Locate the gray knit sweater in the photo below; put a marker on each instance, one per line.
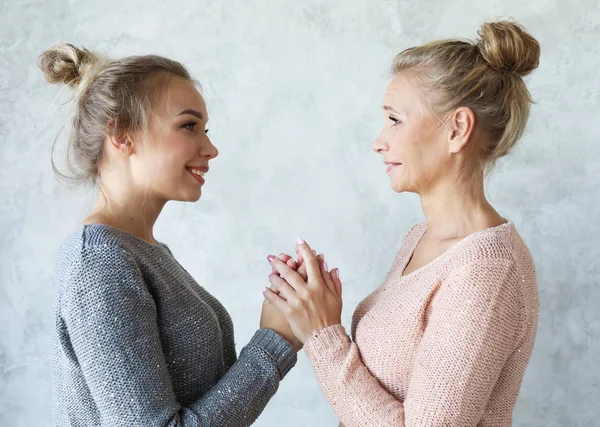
(137, 342)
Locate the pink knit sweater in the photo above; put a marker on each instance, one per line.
(445, 345)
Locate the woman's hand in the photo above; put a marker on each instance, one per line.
(308, 304)
(271, 318)
(299, 265)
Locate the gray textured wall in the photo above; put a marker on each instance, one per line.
(293, 89)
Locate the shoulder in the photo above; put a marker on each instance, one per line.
(88, 239)
(95, 252)
(495, 261)
(100, 274)
(496, 245)
(90, 236)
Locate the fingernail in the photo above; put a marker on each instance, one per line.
(270, 258)
(337, 273)
(325, 266)
(299, 241)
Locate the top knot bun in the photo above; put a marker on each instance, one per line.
(68, 64)
(506, 46)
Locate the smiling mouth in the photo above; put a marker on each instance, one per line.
(197, 174)
(391, 166)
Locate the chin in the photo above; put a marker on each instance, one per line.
(399, 187)
(195, 197)
(401, 183)
(190, 196)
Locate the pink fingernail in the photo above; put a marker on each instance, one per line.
(270, 258)
(325, 266)
(300, 241)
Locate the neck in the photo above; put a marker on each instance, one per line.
(130, 211)
(454, 211)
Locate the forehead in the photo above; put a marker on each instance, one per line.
(398, 90)
(181, 94)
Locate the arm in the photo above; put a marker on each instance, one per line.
(473, 328)
(111, 320)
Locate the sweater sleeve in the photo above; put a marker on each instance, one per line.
(111, 320)
(473, 327)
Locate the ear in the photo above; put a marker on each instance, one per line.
(462, 124)
(119, 140)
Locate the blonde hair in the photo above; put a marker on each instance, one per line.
(485, 75)
(118, 92)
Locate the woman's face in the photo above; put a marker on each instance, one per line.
(173, 157)
(413, 141)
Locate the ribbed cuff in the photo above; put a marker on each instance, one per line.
(277, 347)
(326, 341)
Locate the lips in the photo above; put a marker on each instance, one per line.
(390, 166)
(198, 172)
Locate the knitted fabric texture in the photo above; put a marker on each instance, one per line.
(446, 345)
(137, 342)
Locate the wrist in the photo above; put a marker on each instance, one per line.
(277, 347)
(320, 327)
(327, 341)
(326, 323)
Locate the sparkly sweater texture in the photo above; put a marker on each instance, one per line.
(445, 345)
(137, 342)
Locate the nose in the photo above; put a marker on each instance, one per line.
(380, 144)
(208, 150)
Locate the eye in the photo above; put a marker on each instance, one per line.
(206, 131)
(189, 126)
(395, 120)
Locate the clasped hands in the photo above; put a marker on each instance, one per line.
(304, 292)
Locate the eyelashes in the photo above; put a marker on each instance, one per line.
(191, 126)
(395, 120)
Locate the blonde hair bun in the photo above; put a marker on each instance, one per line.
(507, 46)
(69, 65)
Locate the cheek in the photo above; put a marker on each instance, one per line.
(404, 144)
(174, 153)
(417, 151)
(431, 161)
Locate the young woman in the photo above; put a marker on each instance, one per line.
(445, 340)
(137, 342)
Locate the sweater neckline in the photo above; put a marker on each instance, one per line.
(124, 234)
(421, 232)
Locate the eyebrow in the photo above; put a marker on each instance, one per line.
(392, 109)
(192, 112)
